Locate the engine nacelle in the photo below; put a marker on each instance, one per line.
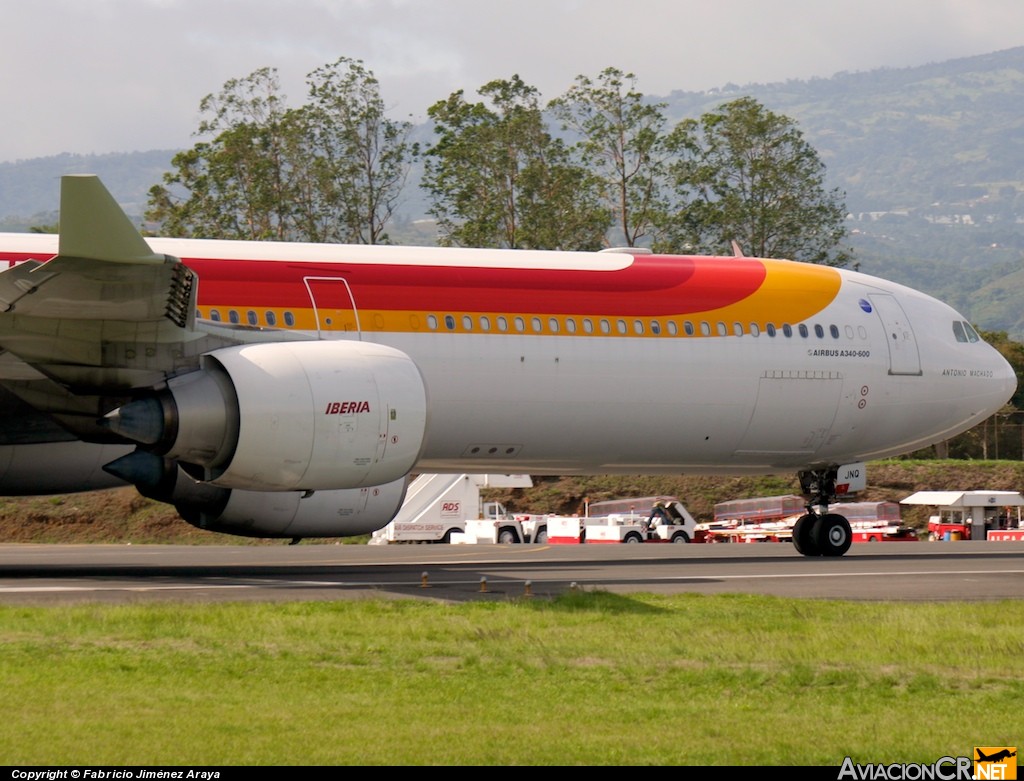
(57, 468)
(289, 416)
(346, 512)
(341, 513)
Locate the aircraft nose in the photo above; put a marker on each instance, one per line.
(1004, 382)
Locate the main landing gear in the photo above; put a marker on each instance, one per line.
(821, 533)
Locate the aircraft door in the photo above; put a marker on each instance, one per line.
(793, 415)
(903, 355)
(334, 308)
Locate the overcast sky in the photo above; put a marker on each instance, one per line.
(98, 76)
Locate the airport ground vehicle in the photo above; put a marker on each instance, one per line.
(884, 533)
(756, 520)
(667, 520)
(876, 522)
(507, 530)
(437, 506)
(972, 515)
(759, 509)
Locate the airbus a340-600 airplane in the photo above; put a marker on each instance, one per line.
(288, 390)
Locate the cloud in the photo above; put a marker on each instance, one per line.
(127, 75)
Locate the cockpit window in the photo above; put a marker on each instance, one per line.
(964, 332)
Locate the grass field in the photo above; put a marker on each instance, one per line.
(589, 678)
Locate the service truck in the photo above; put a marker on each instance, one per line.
(508, 530)
(667, 520)
(437, 506)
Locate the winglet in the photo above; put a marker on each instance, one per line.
(93, 226)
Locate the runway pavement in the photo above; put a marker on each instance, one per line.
(62, 574)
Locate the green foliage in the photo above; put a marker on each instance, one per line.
(331, 170)
(497, 178)
(622, 141)
(755, 180)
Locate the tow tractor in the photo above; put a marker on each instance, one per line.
(668, 521)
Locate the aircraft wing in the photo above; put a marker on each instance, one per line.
(105, 316)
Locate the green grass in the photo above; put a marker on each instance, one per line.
(587, 679)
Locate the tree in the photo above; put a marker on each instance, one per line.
(622, 141)
(331, 170)
(497, 178)
(362, 157)
(236, 184)
(749, 176)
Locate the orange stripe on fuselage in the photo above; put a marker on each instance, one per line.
(727, 289)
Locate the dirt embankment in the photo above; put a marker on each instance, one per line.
(122, 516)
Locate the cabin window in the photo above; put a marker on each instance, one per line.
(803, 330)
(638, 327)
(606, 327)
(233, 316)
(449, 322)
(655, 327)
(251, 318)
(588, 326)
(570, 325)
(688, 328)
(755, 329)
(737, 329)
(621, 324)
(722, 330)
(215, 315)
(467, 323)
(819, 331)
(834, 330)
(520, 324)
(535, 322)
(485, 323)
(553, 325)
(502, 323)
(673, 329)
(270, 317)
(770, 329)
(705, 328)
(787, 330)
(289, 320)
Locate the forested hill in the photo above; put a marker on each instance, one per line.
(930, 158)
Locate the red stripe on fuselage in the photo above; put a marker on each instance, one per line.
(660, 286)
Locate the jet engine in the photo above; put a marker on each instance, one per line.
(344, 512)
(287, 416)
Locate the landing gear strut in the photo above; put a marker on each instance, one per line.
(821, 533)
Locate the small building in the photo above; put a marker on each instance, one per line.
(979, 513)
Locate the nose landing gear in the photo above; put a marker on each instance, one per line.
(821, 533)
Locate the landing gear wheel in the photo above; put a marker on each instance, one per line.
(804, 539)
(832, 535)
(542, 537)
